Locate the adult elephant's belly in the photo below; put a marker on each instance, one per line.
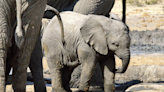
(100, 7)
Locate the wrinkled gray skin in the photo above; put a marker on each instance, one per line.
(35, 66)
(90, 39)
(20, 42)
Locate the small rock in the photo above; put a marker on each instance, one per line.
(144, 25)
(143, 20)
(145, 14)
(158, 25)
(153, 17)
(149, 21)
(161, 20)
(155, 87)
(146, 9)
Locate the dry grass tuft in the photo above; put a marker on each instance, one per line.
(146, 14)
(144, 25)
(163, 8)
(135, 2)
(143, 2)
(150, 2)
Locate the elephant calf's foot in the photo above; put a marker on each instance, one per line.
(59, 90)
(83, 89)
(109, 88)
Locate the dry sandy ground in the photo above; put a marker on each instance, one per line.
(30, 88)
(149, 59)
(147, 17)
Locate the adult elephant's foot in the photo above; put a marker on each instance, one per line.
(2, 89)
(2, 81)
(19, 77)
(10, 90)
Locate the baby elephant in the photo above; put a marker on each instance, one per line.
(89, 39)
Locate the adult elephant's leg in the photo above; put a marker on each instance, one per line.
(31, 23)
(56, 73)
(37, 68)
(108, 70)
(3, 50)
(8, 67)
(19, 75)
(5, 37)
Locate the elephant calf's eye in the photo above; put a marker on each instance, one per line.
(116, 44)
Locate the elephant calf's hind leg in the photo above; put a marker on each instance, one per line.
(55, 69)
(66, 76)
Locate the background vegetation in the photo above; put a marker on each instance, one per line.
(143, 2)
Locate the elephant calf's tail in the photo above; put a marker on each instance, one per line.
(59, 18)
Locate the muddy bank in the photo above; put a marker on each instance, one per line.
(146, 42)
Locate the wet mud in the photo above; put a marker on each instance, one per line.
(147, 42)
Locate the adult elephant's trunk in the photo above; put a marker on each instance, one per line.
(59, 19)
(19, 33)
(125, 57)
(124, 11)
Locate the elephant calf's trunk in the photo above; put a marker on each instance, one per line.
(125, 63)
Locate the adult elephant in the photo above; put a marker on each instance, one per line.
(18, 49)
(29, 15)
(100, 7)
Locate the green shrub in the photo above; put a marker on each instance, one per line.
(143, 2)
(135, 2)
(163, 8)
(150, 2)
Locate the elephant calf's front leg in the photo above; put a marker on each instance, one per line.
(108, 70)
(89, 62)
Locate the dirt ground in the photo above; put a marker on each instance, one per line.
(147, 17)
(148, 59)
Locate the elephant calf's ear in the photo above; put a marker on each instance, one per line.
(92, 33)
